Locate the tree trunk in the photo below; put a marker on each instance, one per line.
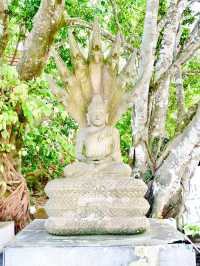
(140, 114)
(187, 175)
(171, 172)
(160, 107)
(4, 21)
(46, 23)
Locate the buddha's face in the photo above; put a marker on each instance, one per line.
(97, 117)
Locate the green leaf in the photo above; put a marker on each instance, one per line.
(5, 134)
(27, 113)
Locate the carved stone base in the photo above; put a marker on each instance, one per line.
(90, 226)
(96, 205)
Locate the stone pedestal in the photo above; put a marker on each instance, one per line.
(191, 213)
(96, 205)
(6, 234)
(35, 247)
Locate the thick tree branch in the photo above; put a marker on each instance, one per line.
(46, 24)
(145, 67)
(4, 18)
(191, 46)
(161, 25)
(186, 118)
(3, 7)
(179, 95)
(168, 176)
(160, 107)
(183, 124)
(169, 37)
(165, 20)
(141, 92)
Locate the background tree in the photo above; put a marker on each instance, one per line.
(163, 77)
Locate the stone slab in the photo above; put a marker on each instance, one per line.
(161, 232)
(191, 214)
(99, 256)
(35, 247)
(6, 233)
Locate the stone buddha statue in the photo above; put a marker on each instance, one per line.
(97, 194)
(98, 146)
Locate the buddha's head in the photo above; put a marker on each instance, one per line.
(97, 114)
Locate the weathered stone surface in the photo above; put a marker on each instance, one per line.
(96, 205)
(35, 247)
(6, 233)
(90, 225)
(191, 213)
(160, 233)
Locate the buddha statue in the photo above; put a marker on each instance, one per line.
(97, 195)
(97, 146)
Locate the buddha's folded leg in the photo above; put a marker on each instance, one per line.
(114, 168)
(78, 169)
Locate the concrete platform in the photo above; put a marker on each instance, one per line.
(6, 235)
(35, 247)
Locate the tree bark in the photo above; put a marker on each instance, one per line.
(169, 38)
(190, 47)
(46, 23)
(169, 175)
(179, 97)
(188, 173)
(140, 116)
(160, 107)
(4, 21)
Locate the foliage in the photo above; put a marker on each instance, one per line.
(49, 142)
(191, 84)
(23, 11)
(192, 81)
(37, 119)
(188, 19)
(13, 108)
(47, 149)
(30, 117)
(193, 230)
(124, 126)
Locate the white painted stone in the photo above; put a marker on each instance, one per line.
(192, 204)
(177, 255)
(72, 256)
(6, 233)
(35, 247)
